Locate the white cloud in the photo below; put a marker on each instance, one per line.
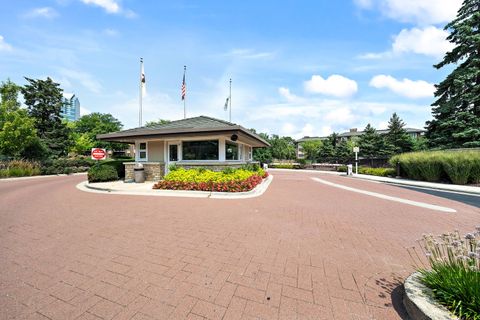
(85, 79)
(111, 6)
(429, 41)
(44, 12)
(339, 116)
(285, 92)
(335, 85)
(405, 87)
(422, 12)
(4, 46)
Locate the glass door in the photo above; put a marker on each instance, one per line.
(173, 154)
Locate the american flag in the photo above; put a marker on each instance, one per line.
(184, 87)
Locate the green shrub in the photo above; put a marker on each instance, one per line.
(228, 170)
(342, 168)
(381, 172)
(459, 167)
(251, 167)
(102, 174)
(117, 165)
(454, 276)
(285, 166)
(172, 167)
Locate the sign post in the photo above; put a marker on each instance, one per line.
(356, 150)
(98, 154)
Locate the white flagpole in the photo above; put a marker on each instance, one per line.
(230, 117)
(185, 96)
(141, 95)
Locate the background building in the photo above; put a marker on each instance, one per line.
(70, 107)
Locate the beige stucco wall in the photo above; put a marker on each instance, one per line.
(155, 151)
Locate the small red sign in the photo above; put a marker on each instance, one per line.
(99, 154)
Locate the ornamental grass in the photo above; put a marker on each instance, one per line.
(454, 273)
(458, 167)
(19, 168)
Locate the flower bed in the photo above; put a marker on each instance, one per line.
(229, 180)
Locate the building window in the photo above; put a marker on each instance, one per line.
(200, 150)
(231, 151)
(249, 150)
(240, 151)
(142, 151)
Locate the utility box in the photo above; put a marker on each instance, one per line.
(139, 173)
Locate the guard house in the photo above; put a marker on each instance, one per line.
(190, 143)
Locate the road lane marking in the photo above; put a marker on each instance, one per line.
(385, 197)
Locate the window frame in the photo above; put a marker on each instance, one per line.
(202, 140)
(238, 150)
(138, 151)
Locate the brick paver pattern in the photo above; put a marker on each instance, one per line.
(303, 250)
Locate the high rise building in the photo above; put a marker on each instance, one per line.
(70, 107)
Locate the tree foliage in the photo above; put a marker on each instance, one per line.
(155, 123)
(311, 149)
(44, 101)
(86, 128)
(17, 129)
(456, 112)
(397, 139)
(371, 143)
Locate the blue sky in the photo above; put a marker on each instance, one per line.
(298, 67)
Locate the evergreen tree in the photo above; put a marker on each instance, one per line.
(327, 149)
(371, 143)
(44, 101)
(343, 151)
(397, 139)
(456, 112)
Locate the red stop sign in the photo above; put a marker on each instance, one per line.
(98, 154)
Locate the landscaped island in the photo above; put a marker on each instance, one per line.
(242, 179)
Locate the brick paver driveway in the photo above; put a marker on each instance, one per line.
(303, 250)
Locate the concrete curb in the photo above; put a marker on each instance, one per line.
(40, 176)
(421, 184)
(256, 192)
(419, 303)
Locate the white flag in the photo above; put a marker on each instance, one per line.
(142, 82)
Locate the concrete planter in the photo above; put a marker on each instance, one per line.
(419, 303)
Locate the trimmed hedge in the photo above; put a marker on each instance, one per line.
(102, 174)
(458, 167)
(117, 165)
(381, 172)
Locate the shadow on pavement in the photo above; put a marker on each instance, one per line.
(395, 290)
